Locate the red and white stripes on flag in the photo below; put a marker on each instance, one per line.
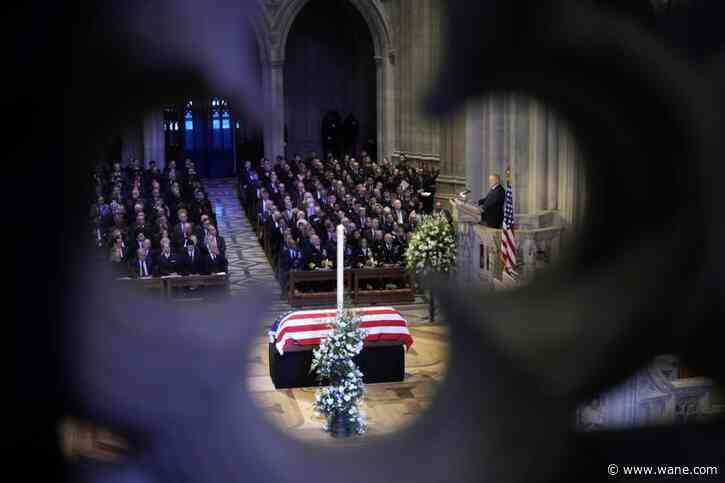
(310, 327)
(508, 239)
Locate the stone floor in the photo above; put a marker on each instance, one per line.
(389, 406)
(248, 265)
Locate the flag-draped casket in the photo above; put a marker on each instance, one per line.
(294, 335)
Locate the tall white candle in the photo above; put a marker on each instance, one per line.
(340, 265)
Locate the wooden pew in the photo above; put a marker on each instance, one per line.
(405, 291)
(174, 284)
(297, 278)
(153, 284)
(354, 285)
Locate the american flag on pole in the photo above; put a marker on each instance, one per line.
(508, 239)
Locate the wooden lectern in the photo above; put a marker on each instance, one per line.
(465, 212)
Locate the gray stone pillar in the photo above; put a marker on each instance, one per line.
(566, 179)
(273, 85)
(538, 186)
(495, 138)
(552, 145)
(154, 140)
(475, 156)
(380, 92)
(519, 157)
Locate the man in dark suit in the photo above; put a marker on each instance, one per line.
(213, 261)
(191, 259)
(492, 204)
(143, 266)
(364, 256)
(399, 214)
(389, 253)
(181, 228)
(290, 259)
(167, 262)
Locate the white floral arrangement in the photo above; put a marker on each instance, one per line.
(432, 248)
(333, 362)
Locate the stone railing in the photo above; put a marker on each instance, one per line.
(655, 396)
(538, 240)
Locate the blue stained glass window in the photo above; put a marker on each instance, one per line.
(188, 121)
(225, 120)
(215, 122)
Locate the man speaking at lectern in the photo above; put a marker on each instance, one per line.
(492, 204)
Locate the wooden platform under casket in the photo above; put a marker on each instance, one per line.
(382, 361)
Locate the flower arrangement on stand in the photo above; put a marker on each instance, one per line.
(332, 360)
(432, 249)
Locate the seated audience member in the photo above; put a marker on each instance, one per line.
(181, 228)
(349, 255)
(143, 266)
(201, 206)
(290, 260)
(148, 250)
(101, 210)
(377, 244)
(315, 256)
(364, 256)
(202, 228)
(389, 253)
(139, 223)
(166, 262)
(399, 215)
(140, 239)
(214, 256)
(191, 261)
(184, 242)
(117, 256)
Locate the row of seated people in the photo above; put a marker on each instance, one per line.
(140, 234)
(377, 203)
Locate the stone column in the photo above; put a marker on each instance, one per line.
(419, 46)
(566, 179)
(552, 155)
(389, 139)
(273, 85)
(154, 140)
(380, 91)
(495, 138)
(538, 186)
(475, 156)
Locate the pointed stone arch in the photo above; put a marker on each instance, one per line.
(277, 22)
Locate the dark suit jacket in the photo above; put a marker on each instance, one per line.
(313, 255)
(290, 261)
(219, 264)
(361, 257)
(167, 266)
(389, 256)
(189, 266)
(136, 268)
(492, 207)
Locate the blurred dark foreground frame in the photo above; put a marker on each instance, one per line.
(649, 124)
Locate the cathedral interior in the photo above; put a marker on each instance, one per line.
(603, 119)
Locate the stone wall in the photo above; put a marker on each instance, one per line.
(518, 133)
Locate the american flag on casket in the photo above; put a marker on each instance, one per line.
(310, 327)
